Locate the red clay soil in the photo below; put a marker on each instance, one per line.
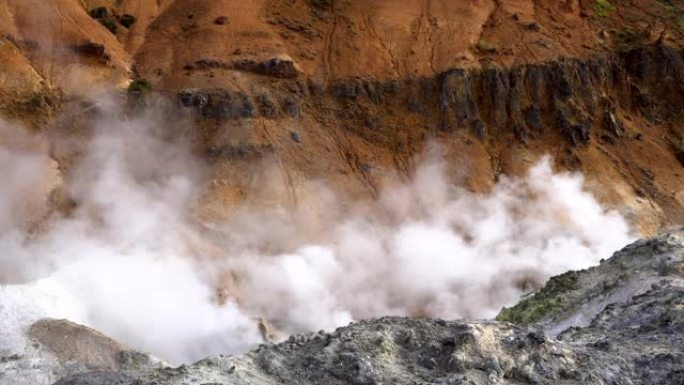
(53, 52)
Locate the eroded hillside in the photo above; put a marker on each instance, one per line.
(352, 91)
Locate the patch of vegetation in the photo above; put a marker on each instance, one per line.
(127, 20)
(321, 4)
(680, 23)
(485, 47)
(627, 32)
(99, 12)
(109, 22)
(548, 301)
(139, 86)
(668, 4)
(603, 8)
(628, 37)
(678, 146)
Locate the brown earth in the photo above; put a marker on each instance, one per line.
(351, 91)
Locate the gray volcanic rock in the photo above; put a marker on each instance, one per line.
(631, 306)
(397, 351)
(579, 298)
(618, 323)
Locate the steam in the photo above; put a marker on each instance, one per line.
(132, 262)
(445, 253)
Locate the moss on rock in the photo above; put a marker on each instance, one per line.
(547, 301)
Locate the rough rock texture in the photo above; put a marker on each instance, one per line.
(87, 347)
(618, 323)
(350, 92)
(400, 351)
(59, 348)
(631, 307)
(594, 114)
(367, 85)
(578, 98)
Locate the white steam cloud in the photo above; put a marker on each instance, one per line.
(130, 260)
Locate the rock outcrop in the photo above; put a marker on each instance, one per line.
(55, 349)
(621, 322)
(367, 85)
(580, 99)
(614, 116)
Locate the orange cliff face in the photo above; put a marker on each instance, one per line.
(332, 40)
(283, 93)
(328, 39)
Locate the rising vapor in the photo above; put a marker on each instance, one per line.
(132, 261)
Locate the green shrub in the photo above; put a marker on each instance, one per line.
(549, 301)
(484, 47)
(110, 23)
(321, 4)
(127, 20)
(678, 145)
(628, 35)
(99, 13)
(603, 8)
(139, 86)
(668, 5)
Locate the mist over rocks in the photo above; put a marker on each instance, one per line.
(629, 329)
(187, 179)
(425, 247)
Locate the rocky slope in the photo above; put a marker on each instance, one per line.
(351, 92)
(275, 96)
(621, 322)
